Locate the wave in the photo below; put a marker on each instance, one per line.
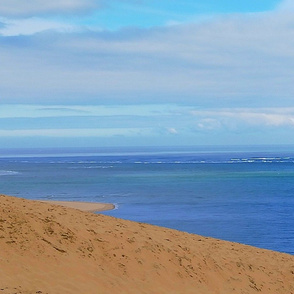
(111, 161)
(263, 160)
(91, 167)
(8, 173)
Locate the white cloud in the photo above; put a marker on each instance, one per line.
(208, 124)
(267, 119)
(232, 118)
(286, 5)
(33, 25)
(238, 61)
(172, 131)
(20, 8)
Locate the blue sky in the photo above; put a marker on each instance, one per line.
(136, 73)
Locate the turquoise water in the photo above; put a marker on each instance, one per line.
(241, 196)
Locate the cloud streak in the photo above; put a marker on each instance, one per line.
(155, 124)
(30, 26)
(19, 8)
(72, 133)
(55, 111)
(244, 118)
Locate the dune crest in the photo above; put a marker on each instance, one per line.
(52, 249)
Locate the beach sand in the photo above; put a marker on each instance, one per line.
(84, 206)
(46, 248)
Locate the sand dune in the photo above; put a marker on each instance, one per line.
(46, 248)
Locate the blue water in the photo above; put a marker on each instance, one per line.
(236, 195)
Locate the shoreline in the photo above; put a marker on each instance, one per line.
(84, 206)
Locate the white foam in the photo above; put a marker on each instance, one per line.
(8, 173)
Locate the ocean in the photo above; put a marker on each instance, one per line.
(240, 194)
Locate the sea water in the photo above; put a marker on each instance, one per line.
(241, 195)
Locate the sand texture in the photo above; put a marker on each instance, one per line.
(46, 248)
(85, 206)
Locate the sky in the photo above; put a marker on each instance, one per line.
(96, 73)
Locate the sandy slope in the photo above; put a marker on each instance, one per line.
(85, 206)
(51, 249)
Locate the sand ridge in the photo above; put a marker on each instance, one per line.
(53, 249)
